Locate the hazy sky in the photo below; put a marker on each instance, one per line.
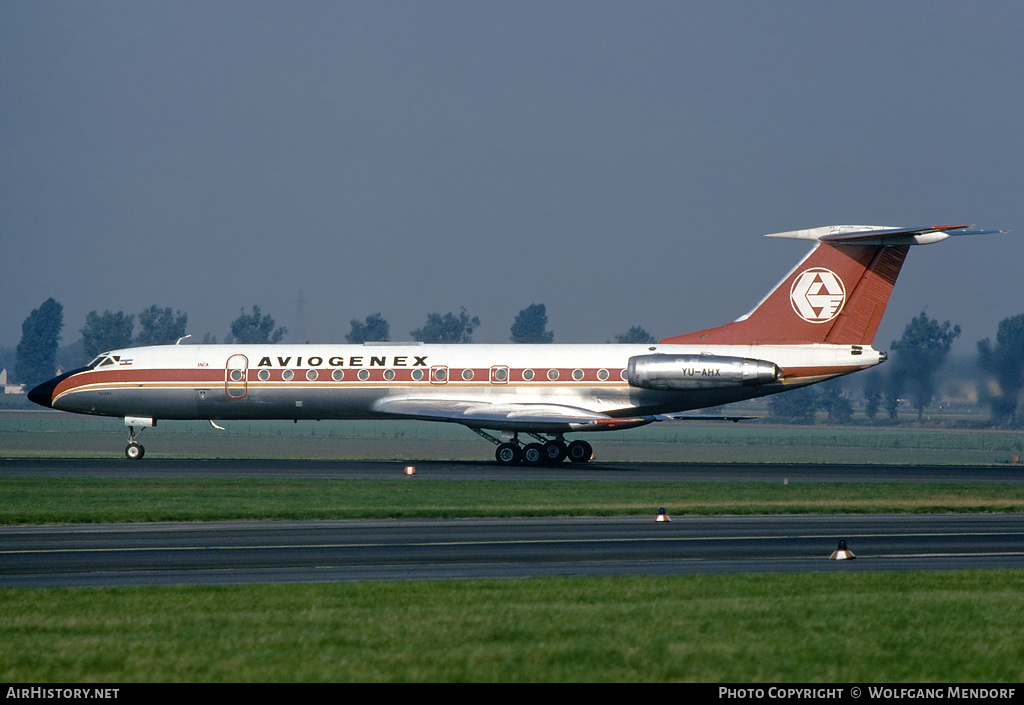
(617, 161)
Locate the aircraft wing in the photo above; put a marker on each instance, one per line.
(537, 417)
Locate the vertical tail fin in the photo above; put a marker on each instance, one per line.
(837, 294)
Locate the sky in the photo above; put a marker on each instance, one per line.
(618, 162)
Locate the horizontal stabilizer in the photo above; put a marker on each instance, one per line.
(880, 234)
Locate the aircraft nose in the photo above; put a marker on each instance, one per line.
(43, 394)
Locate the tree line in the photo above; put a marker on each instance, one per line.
(912, 377)
(36, 354)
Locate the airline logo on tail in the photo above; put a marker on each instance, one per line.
(817, 295)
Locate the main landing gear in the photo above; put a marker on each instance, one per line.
(545, 452)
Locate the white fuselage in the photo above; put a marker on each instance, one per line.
(325, 381)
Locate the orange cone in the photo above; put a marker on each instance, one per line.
(662, 516)
(410, 470)
(842, 553)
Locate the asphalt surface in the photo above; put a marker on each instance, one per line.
(597, 471)
(317, 551)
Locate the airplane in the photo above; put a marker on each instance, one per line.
(816, 324)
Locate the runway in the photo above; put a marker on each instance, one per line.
(317, 551)
(455, 470)
(321, 551)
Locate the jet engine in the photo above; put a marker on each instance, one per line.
(680, 372)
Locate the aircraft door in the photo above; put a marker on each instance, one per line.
(235, 373)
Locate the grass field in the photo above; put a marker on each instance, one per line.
(92, 500)
(959, 626)
(857, 627)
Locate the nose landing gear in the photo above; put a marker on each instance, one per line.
(134, 449)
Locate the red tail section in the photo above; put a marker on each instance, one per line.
(836, 295)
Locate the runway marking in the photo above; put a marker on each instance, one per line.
(503, 542)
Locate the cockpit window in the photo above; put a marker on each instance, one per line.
(103, 360)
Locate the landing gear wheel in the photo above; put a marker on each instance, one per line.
(580, 452)
(533, 454)
(508, 454)
(134, 451)
(554, 452)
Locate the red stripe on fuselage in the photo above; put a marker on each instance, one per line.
(215, 377)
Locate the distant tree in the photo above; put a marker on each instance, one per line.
(375, 329)
(531, 325)
(873, 384)
(797, 406)
(108, 331)
(636, 334)
(448, 328)
(892, 393)
(1005, 362)
(920, 353)
(160, 326)
(835, 400)
(36, 355)
(72, 355)
(255, 328)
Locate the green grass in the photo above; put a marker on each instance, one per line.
(886, 627)
(90, 500)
